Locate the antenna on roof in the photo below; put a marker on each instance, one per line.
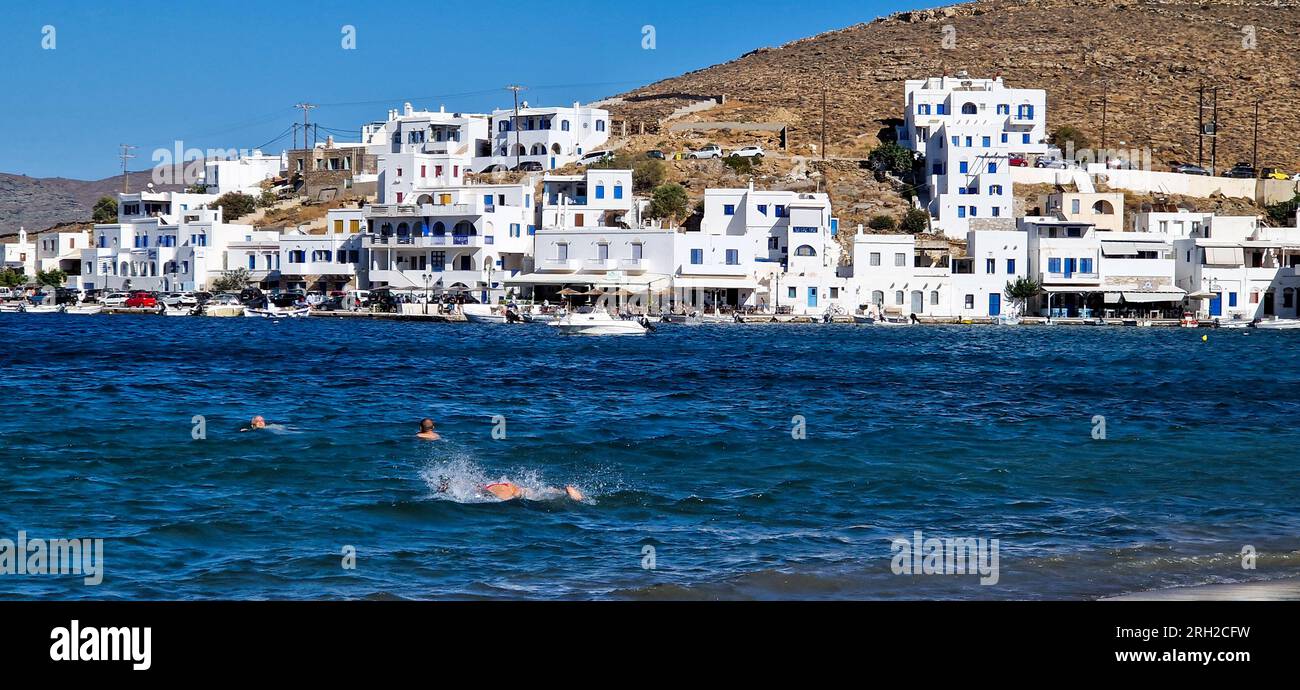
(514, 124)
(126, 155)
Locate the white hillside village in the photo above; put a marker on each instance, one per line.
(516, 215)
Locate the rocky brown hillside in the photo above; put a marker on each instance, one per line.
(1152, 54)
(38, 203)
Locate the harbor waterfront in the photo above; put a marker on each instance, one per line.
(718, 462)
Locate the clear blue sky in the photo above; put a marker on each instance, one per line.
(226, 74)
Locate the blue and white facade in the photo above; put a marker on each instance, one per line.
(965, 130)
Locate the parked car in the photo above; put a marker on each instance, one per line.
(710, 151)
(1241, 171)
(1053, 163)
(1018, 162)
(1189, 169)
(528, 166)
(749, 152)
(1274, 174)
(141, 300)
(655, 154)
(7, 293)
(595, 157)
(67, 296)
(115, 299)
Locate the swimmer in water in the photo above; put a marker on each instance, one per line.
(426, 431)
(509, 491)
(255, 423)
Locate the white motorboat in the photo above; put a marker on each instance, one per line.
(11, 307)
(84, 309)
(177, 311)
(1234, 322)
(1007, 320)
(1276, 324)
(42, 309)
(223, 306)
(484, 313)
(274, 312)
(538, 316)
(598, 322)
(863, 319)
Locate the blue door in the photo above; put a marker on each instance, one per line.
(812, 297)
(552, 162)
(995, 304)
(1216, 304)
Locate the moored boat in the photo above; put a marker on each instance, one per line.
(1276, 324)
(598, 322)
(274, 312)
(484, 313)
(83, 309)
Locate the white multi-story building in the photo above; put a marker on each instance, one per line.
(965, 130)
(258, 252)
(243, 175)
(62, 251)
(892, 274)
(764, 249)
(1241, 269)
(20, 255)
(465, 238)
(166, 251)
(323, 263)
(551, 137)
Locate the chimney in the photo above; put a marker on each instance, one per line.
(329, 141)
(861, 230)
(406, 109)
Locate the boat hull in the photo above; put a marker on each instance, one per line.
(597, 323)
(277, 313)
(90, 310)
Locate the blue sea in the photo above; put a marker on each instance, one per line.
(684, 442)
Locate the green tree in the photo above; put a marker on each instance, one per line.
(1021, 290)
(105, 210)
(882, 223)
(891, 158)
(197, 188)
(741, 165)
(915, 221)
(668, 202)
(12, 278)
(54, 277)
(232, 281)
(1065, 134)
(234, 205)
(648, 174)
(1283, 212)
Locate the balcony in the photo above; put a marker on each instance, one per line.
(1075, 278)
(713, 269)
(599, 265)
(559, 265)
(632, 265)
(424, 241)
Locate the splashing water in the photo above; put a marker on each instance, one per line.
(461, 480)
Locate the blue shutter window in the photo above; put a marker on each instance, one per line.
(728, 210)
(762, 208)
(600, 191)
(963, 167)
(697, 256)
(618, 191)
(1054, 265)
(1011, 263)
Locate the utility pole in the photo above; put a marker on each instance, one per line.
(126, 155)
(824, 120)
(1105, 101)
(295, 137)
(1200, 125)
(306, 108)
(1254, 155)
(515, 123)
(1214, 141)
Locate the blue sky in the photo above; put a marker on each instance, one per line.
(226, 74)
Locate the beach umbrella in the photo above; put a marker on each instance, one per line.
(570, 292)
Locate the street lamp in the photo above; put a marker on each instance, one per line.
(428, 280)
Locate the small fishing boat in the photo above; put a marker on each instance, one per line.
(863, 319)
(1189, 320)
(11, 307)
(535, 315)
(83, 309)
(169, 310)
(1235, 322)
(1007, 320)
(41, 308)
(894, 317)
(599, 322)
(274, 312)
(1276, 324)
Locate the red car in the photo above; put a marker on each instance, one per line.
(141, 300)
(1018, 161)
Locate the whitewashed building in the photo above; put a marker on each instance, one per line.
(164, 252)
(466, 238)
(243, 175)
(1241, 269)
(549, 136)
(62, 251)
(965, 130)
(20, 254)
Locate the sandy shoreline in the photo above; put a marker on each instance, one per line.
(1272, 590)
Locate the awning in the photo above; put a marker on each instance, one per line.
(717, 283)
(1153, 297)
(1224, 256)
(593, 279)
(259, 276)
(1119, 249)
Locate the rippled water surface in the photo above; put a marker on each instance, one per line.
(681, 440)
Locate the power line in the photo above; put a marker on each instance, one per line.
(126, 155)
(306, 108)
